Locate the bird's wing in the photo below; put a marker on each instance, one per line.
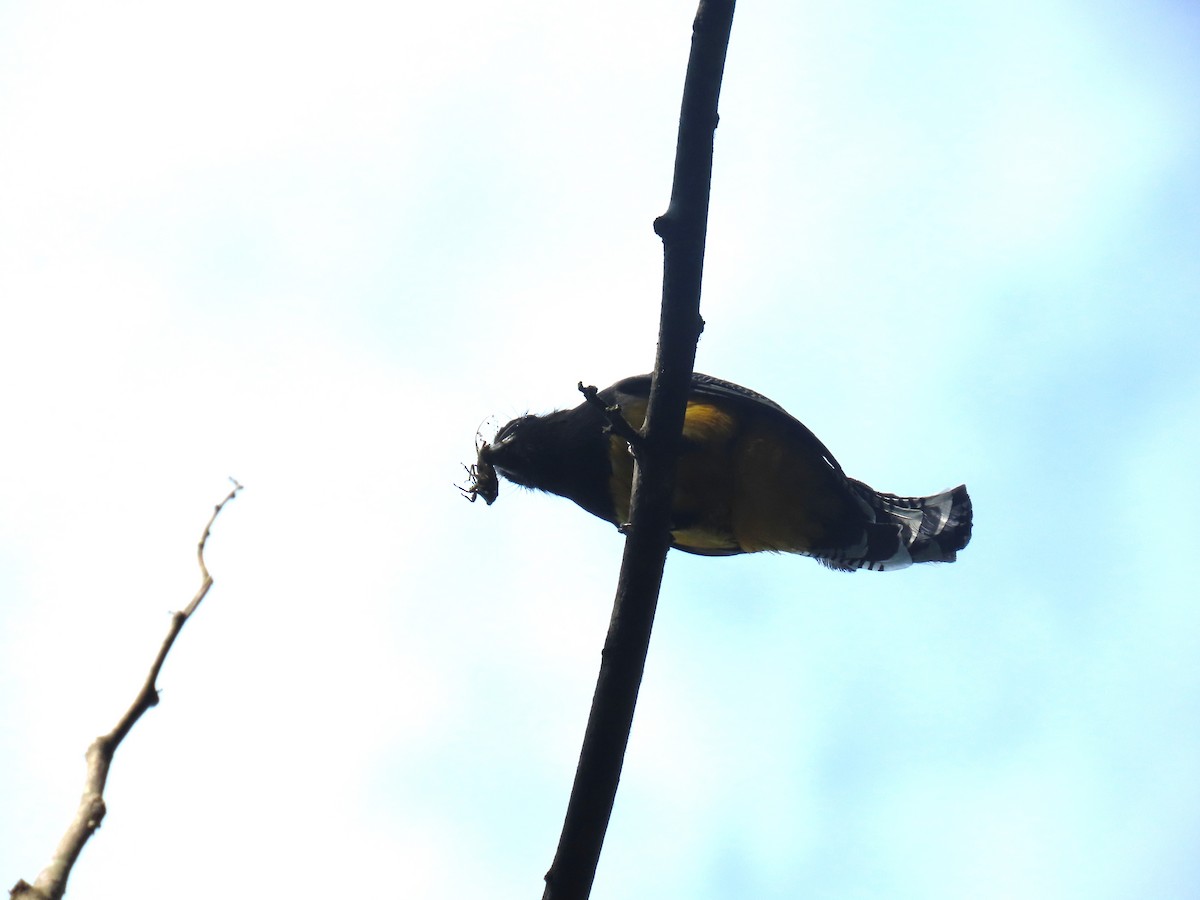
(719, 391)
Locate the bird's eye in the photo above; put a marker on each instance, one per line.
(508, 430)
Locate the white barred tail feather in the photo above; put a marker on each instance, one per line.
(906, 530)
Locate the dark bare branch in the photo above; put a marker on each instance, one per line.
(682, 229)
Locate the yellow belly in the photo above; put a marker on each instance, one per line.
(741, 486)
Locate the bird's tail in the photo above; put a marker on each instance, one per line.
(906, 530)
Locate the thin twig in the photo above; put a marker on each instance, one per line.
(51, 882)
(682, 229)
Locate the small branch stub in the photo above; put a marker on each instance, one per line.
(617, 423)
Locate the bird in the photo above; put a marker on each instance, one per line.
(750, 478)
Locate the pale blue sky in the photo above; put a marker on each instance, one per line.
(314, 246)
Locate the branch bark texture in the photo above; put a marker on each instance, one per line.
(682, 229)
(51, 883)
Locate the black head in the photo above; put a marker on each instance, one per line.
(564, 452)
(524, 449)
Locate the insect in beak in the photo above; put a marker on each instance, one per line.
(482, 475)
